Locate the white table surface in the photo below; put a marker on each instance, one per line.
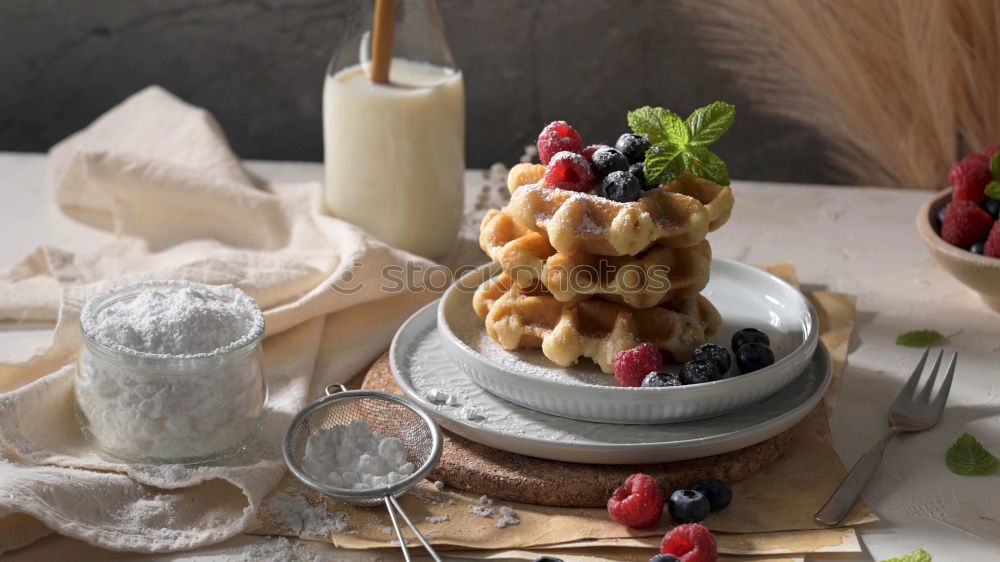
(860, 241)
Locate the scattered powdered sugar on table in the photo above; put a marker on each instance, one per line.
(439, 485)
(355, 457)
(437, 518)
(293, 512)
(482, 510)
(486, 508)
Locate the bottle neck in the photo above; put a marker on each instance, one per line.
(419, 36)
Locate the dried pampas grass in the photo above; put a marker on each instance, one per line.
(901, 88)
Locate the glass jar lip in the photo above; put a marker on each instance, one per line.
(88, 319)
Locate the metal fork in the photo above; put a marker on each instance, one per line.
(911, 412)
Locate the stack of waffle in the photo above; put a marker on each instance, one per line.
(585, 276)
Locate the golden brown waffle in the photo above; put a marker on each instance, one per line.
(679, 214)
(519, 317)
(656, 275)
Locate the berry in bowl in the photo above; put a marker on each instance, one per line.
(960, 225)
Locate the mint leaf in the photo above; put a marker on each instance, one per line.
(918, 338)
(993, 188)
(663, 163)
(919, 555)
(995, 165)
(658, 125)
(709, 123)
(677, 131)
(968, 457)
(704, 163)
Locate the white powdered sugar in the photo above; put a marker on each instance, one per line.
(172, 318)
(170, 371)
(482, 510)
(472, 413)
(293, 512)
(436, 518)
(506, 513)
(355, 457)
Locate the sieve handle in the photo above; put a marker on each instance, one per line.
(332, 389)
(420, 537)
(399, 532)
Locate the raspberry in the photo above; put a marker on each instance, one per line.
(588, 152)
(556, 137)
(965, 223)
(638, 503)
(993, 242)
(568, 170)
(690, 543)
(632, 365)
(969, 177)
(990, 150)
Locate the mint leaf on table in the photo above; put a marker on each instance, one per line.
(919, 555)
(709, 123)
(993, 188)
(995, 165)
(681, 146)
(918, 338)
(968, 457)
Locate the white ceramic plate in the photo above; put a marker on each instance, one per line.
(745, 296)
(423, 369)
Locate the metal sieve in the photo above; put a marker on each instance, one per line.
(387, 414)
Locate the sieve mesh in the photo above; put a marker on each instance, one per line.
(385, 413)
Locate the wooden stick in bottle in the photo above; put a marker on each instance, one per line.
(382, 40)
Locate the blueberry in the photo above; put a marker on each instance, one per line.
(748, 335)
(940, 216)
(695, 372)
(660, 379)
(754, 356)
(548, 559)
(719, 494)
(639, 171)
(634, 147)
(714, 354)
(991, 206)
(664, 558)
(607, 160)
(688, 506)
(978, 248)
(621, 186)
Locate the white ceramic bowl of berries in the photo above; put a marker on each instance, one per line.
(960, 225)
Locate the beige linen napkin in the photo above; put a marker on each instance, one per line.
(160, 173)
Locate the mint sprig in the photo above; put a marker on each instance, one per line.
(968, 457)
(919, 555)
(681, 146)
(995, 165)
(919, 338)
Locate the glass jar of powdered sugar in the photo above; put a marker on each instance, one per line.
(170, 372)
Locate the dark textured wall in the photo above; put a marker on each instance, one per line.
(258, 65)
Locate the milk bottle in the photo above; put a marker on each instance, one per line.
(394, 153)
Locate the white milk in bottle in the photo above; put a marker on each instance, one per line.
(395, 155)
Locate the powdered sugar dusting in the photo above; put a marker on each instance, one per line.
(292, 511)
(532, 362)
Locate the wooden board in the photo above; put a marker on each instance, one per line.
(509, 476)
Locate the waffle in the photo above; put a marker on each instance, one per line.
(529, 317)
(656, 275)
(679, 214)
